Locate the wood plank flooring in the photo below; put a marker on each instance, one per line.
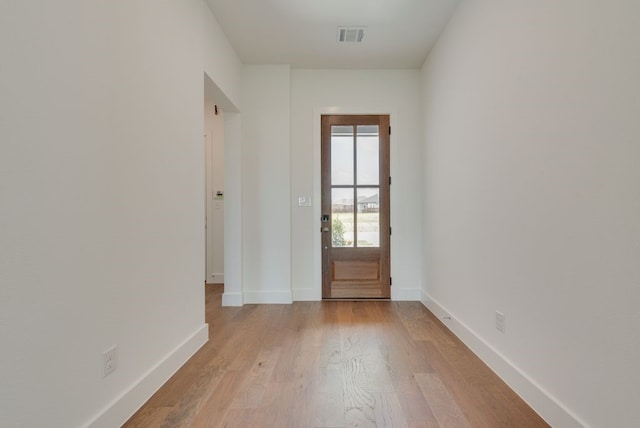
(332, 364)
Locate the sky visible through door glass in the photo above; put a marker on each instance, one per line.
(367, 155)
(341, 155)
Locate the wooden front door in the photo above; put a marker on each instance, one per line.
(355, 207)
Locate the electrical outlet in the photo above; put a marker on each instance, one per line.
(109, 361)
(500, 322)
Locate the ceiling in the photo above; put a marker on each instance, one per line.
(303, 33)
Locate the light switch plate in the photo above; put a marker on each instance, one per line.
(304, 201)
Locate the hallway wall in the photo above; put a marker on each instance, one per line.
(101, 183)
(266, 181)
(531, 200)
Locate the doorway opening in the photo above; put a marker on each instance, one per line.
(214, 190)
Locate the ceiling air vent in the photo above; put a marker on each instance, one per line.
(350, 34)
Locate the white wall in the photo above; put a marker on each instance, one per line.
(266, 218)
(232, 295)
(101, 183)
(221, 63)
(532, 199)
(316, 92)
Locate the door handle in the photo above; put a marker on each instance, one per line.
(325, 229)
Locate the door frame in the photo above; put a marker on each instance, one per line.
(314, 292)
(382, 254)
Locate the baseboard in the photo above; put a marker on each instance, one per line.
(232, 299)
(216, 278)
(306, 295)
(273, 297)
(547, 406)
(121, 409)
(405, 294)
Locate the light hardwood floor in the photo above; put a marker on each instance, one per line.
(332, 364)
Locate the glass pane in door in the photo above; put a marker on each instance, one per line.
(368, 161)
(368, 217)
(341, 155)
(342, 217)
